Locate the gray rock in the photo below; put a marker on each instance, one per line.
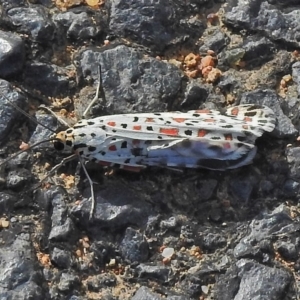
(251, 280)
(296, 75)
(98, 282)
(34, 21)
(12, 54)
(213, 39)
(132, 82)
(68, 282)
(157, 273)
(116, 207)
(264, 228)
(134, 246)
(62, 226)
(78, 26)
(17, 179)
(50, 80)
(195, 95)
(61, 258)
(144, 293)
(262, 17)
(155, 24)
(293, 160)
(20, 277)
(9, 116)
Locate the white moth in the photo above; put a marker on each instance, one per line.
(196, 139)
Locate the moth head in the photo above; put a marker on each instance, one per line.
(60, 142)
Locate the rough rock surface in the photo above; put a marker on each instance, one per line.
(234, 234)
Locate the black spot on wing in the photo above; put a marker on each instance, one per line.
(254, 106)
(69, 131)
(242, 138)
(124, 145)
(93, 134)
(124, 125)
(250, 114)
(149, 128)
(92, 148)
(227, 126)
(127, 161)
(90, 123)
(188, 132)
(135, 119)
(82, 134)
(80, 152)
(81, 145)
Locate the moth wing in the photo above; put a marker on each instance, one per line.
(200, 153)
(245, 120)
(259, 117)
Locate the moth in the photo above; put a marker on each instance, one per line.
(195, 139)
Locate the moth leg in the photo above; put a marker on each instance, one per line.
(99, 90)
(55, 168)
(91, 186)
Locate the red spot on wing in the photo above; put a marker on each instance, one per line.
(228, 137)
(149, 120)
(235, 111)
(137, 127)
(111, 123)
(226, 146)
(247, 119)
(179, 120)
(202, 132)
(202, 111)
(169, 131)
(112, 148)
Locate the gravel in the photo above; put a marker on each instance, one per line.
(226, 235)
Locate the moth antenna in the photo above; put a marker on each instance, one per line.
(99, 90)
(28, 115)
(63, 122)
(24, 150)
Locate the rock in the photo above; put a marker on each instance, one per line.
(50, 80)
(134, 246)
(132, 82)
(263, 17)
(251, 280)
(21, 276)
(34, 21)
(12, 54)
